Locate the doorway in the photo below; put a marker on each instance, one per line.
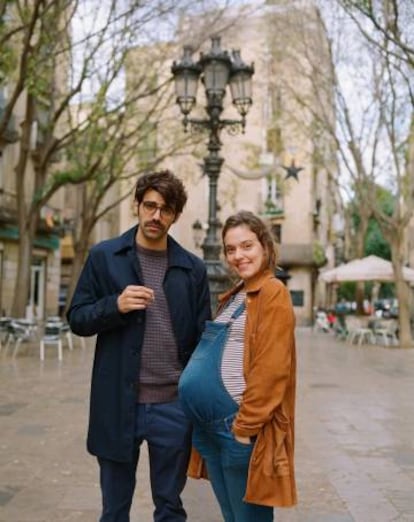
(36, 304)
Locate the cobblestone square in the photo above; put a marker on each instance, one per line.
(354, 438)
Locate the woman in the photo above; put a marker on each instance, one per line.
(239, 386)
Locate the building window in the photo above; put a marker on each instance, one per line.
(274, 196)
(277, 232)
(297, 297)
(147, 146)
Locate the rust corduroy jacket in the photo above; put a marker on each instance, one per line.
(267, 409)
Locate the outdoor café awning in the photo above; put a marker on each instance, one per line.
(370, 268)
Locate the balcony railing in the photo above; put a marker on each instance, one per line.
(302, 254)
(274, 207)
(50, 221)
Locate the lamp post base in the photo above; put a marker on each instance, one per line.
(219, 281)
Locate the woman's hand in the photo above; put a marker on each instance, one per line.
(242, 440)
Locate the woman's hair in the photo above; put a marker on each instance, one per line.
(167, 184)
(258, 227)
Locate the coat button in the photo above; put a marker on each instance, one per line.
(140, 320)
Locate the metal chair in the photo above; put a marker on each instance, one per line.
(359, 332)
(360, 335)
(387, 333)
(4, 324)
(64, 329)
(17, 333)
(51, 336)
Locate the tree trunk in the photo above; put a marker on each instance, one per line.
(24, 262)
(81, 249)
(359, 297)
(27, 223)
(359, 251)
(402, 291)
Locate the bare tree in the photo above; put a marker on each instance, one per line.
(385, 21)
(359, 94)
(133, 149)
(386, 28)
(57, 54)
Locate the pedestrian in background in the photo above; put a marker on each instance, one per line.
(147, 299)
(239, 386)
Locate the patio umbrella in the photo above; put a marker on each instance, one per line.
(370, 268)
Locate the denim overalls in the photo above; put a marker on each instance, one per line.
(211, 409)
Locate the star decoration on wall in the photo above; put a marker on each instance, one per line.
(292, 170)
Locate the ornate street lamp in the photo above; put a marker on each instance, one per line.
(217, 69)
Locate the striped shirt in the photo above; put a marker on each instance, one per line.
(232, 360)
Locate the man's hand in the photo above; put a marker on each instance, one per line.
(135, 297)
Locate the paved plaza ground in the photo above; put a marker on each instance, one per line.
(354, 443)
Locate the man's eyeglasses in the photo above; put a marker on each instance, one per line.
(151, 208)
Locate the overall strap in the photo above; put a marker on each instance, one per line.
(237, 313)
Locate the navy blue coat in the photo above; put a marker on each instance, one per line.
(109, 268)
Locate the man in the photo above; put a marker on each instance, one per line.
(147, 299)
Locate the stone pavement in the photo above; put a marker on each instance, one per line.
(355, 438)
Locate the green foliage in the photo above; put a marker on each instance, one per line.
(347, 291)
(375, 243)
(318, 253)
(363, 5)
(70, 175)
(386, 290)
(385, 199)
(40, 70)
(8, 62)
(88, 145)
(8, 58)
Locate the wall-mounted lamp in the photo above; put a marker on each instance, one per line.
(198, 233)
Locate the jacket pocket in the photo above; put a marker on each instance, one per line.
(270, 452)
(280, 426)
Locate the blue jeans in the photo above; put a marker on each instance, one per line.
(227, 464)
(168, 435)
(212, 409)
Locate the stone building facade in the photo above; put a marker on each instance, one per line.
(258, 173)
(275, 168)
